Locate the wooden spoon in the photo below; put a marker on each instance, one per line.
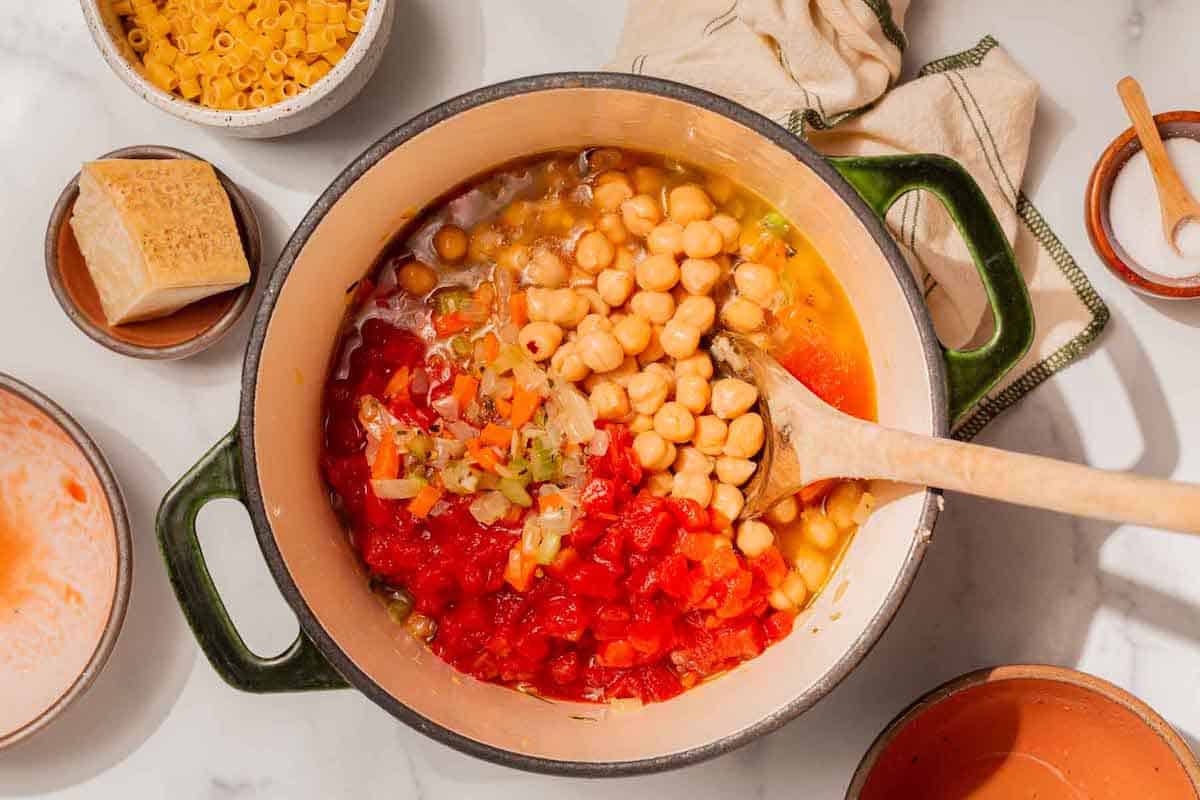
(1178, 205)
(808, 440)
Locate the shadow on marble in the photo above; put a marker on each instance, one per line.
(1050, 128)
(1185, 312)
(147, 670)
(436, 51)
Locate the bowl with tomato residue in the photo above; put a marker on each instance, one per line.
(268, 461)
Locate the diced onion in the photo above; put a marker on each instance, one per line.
(489, 507)
(598, 446)
(446, 406)
(570, 409)
(532, 378)
(462, 431)
(397, 489)
(488, 381)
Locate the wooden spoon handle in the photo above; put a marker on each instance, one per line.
(1173, 195)
(1032, 480)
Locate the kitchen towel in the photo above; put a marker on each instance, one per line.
(827, 70)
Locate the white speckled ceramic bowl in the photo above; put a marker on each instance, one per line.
(308, 108)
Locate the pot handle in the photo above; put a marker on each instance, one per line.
(300, 667)
(882, 180)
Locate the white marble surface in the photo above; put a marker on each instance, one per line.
(1000, 584)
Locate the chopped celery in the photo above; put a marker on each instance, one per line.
(399, 608)
(515, 492)
(519, 468)
(544, 463)
(775, 223)
(549, 547)
(449, 301)
(419, 446)
(460, 478)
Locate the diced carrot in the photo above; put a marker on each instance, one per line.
(518, 309)
(518, 572)
(815, 491)
(503, 407)
(496, 435)
(483, 454)
(448, 324)
(425, 500)
(398, 384)
(464, 391)
(513, 514)
(387, 459)
(491, 347)
(524, 403)
(548, 502)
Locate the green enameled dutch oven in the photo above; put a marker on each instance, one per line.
(269, 461)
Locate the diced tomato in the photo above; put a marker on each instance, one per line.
(616, 654)
(770, 566)
(599, 496)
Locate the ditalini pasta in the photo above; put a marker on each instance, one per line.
(239, 54)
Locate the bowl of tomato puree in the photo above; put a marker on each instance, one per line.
(1028, 731)
(488, 462)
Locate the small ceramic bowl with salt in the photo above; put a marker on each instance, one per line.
(1123, 216)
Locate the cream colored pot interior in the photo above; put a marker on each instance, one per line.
(300, 339)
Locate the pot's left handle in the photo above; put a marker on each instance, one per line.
(298, 668)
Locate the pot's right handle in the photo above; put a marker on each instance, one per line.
(300, 667)
(882, 180)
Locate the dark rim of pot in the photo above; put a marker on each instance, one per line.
(773, 133)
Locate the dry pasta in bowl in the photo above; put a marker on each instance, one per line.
(237, 55)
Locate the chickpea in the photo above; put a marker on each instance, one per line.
(610, 225)
(728, 500)
(698, 311)
(710, 435)
(647, 391)
(593, 322)
(658, 273)
(653, 351)
(641, 423)
(663, 371)
(614, 286)
(784, 512)
(660, 484)
(842, 504)
(540, 339)
(416, 278)
(623, 260)
(623, 374)
(517, 213)
(595, 301)
(485, 242)
(735, 471)
(666, 238)
(732, 397)
(633, 333)
(693, 486)
(594, 252)
(609, 401)
(743, 315)
(794, 587)
(610, 195)
(780, 601)
(689, 459)
(648, 180)
(601, 351)
(812, 566)
(653, 451)
(688, 203)
(731, 231)
(702, 239)
(698, 364)
(566, 307)
(641, 214)
(450, 242)
(700, 275)
(745, 436)
(674, 422)
(655, 307)
(546, 269)
(758, 282)
(567, 362)
(514, 257)
(692, 392)
(679, 339)
(537, 303)
(754, 537)
(818, 528)
(610, 173)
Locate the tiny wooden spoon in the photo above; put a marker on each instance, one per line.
(808, 440)
(1178, 205)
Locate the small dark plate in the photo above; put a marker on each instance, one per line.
(184, 333)
(1171, 125)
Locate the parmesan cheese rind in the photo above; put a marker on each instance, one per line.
(156, 236)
